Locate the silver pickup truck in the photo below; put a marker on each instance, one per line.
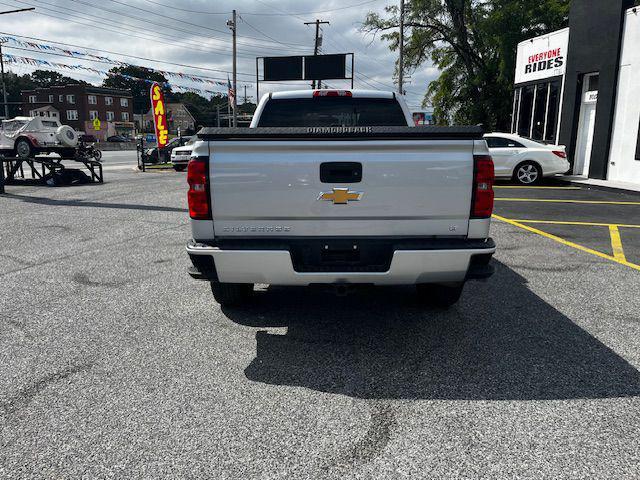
(337, 187)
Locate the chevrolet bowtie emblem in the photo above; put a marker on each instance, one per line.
(340, 196)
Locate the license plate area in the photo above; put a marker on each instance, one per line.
(341, 256)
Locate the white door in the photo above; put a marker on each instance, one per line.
(585, 139)
(505, 153)
(504, 160)
(586, 124)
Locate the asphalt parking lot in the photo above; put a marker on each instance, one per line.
(601, 222)
(115, 363)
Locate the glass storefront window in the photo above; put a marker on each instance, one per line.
(552, 114)
(526, 105)
(540, 111)
(540, 104)
(514, 110)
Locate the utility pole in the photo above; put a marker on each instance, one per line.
(4, 89)
(401, 48)
(245, 94)
(232, 24)
(4, 86)
(316, 45)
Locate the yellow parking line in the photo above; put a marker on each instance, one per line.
(547, 188)
(568, 243)
(616, 243)
(547, 200)
(587, 224)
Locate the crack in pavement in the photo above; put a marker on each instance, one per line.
(83, 279)
(375, 440)
(26, 394)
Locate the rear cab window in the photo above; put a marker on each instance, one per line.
(332, 112)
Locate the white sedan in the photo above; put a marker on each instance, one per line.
(523, 160)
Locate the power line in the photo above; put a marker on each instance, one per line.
(174, 19)
(177, 86)
(280, 11)
(201, 12)
(191, 44)
(149, 36)
(186, 9)
(124, 54)
(115, 63)
(262, 33)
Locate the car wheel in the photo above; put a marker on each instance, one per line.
(440, 295)
(23, 148)
(179, 168)
(231, 294)
(527, 173)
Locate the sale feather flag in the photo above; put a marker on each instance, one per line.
(159, 115)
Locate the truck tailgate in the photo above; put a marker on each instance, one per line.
(371, 181)
(407, 188)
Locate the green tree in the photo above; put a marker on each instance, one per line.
(15, 84)
(37, 79)
(473, 44)
(131, 77)
(49, 78)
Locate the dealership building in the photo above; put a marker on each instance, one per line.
(580, 87)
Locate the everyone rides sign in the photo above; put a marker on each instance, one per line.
(159, 115)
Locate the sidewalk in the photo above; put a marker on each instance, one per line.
(579, 180)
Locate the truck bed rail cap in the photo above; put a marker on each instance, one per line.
(332, 133)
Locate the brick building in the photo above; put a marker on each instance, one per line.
(79, 105)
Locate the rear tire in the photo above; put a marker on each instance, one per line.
(23, 148)
(179, 168)
(527, 173)
(440, 295)
(231, 294)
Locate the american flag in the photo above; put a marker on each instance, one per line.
(231, 93)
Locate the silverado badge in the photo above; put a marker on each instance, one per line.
(340, 196)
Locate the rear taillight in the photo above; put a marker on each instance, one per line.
(198, 180)
(483, 176)
(560, 153)
(332, 93)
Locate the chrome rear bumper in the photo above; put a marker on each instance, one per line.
(276, 266)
